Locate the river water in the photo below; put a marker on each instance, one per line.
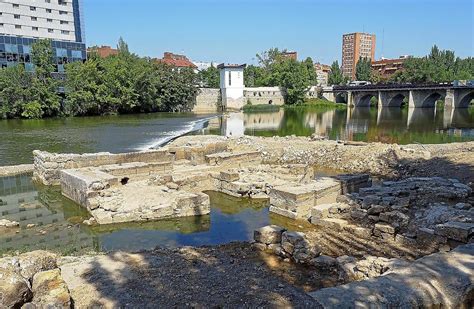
(50, 221)
(18, 138)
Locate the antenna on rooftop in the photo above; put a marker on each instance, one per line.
(383, 42)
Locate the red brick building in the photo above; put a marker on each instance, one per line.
(387, 67)
(290, 55)
(102, 51)
(178, 61)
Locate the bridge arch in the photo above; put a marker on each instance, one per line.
(341, 97)
(365, 99)
(466, 100)
(397, 101)
(431, 99)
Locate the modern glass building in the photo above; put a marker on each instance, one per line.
(22, 22)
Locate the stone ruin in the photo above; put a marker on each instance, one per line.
(170, 182)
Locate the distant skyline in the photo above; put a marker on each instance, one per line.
(235, 30)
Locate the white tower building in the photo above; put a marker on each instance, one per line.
(232, 86)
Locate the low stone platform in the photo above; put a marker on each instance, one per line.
(16, 170)
(296, 201)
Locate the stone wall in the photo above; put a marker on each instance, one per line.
(208, 100)
(264, 95)
(48, 165)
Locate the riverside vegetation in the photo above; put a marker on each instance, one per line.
(127, 83)
(119, 84)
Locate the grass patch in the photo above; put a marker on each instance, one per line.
(261, 108)
(318, 103)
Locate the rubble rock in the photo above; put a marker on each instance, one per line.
(50, 290)
(459, 231)
(36, 261)
(14, 289)
(8, 223)
(269, 234)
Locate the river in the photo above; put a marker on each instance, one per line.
(137, 132)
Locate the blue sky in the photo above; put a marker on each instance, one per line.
(235, 30)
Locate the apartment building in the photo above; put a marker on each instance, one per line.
(387, 67)
(22, 22)
(103, 51)
(355, 46)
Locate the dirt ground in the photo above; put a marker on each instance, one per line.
(233, 275)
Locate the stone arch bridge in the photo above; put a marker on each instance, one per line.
(418, 96)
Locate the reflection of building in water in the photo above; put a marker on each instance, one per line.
(233, 125)
(236, 124)
(263, 121)
(321, 122)
(19, 201)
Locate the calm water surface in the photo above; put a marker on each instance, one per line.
(18, 138)
(49, 221)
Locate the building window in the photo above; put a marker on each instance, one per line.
(49, 20)
(16, 5)
(35, 28)
(48, 11)
(50, 30)
(16, 16)
(64, 22)
(64, 32)
(47, 1)
(17, 27)
(34, 18)
(62, 13)
(230, 78)
(32, 8)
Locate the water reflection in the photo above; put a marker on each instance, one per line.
(51, 222)
(389, 125)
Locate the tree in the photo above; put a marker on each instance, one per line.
(335, 76)
(311, 71)
(269, 57)
(256, 76)
(43, 98)
(122, 47)
(209, 78)
(364, 69)
(14, 83)
(177, 89)
(294, 77)
(438, 66)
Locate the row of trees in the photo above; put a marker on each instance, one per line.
(118, 84)
(437, 67)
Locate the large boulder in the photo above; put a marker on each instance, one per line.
(50, 290)
(14, 289)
